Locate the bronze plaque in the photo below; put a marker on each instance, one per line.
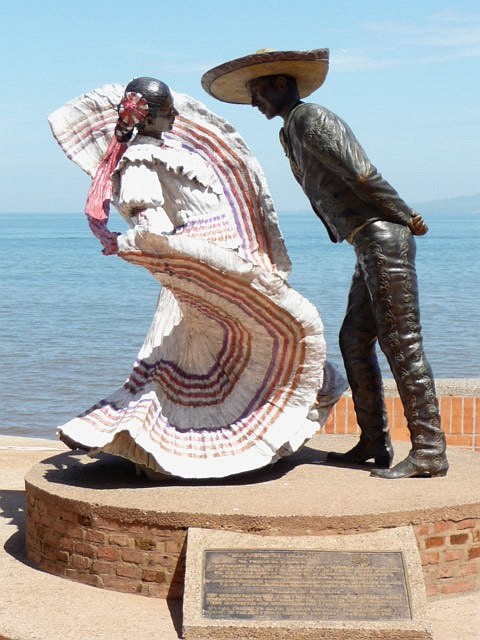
(304, 585)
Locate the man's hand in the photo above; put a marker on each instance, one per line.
(417, 225)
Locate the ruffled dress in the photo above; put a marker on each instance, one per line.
(233, 367)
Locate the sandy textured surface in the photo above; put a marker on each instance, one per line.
(37, 606)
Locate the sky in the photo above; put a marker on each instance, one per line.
(405, 75)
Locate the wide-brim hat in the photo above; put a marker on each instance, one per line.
(228, 81)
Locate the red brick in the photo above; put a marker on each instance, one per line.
(75, 532)
(469, 569)
(63, 556)
(84, 549)
(120, 539)
(457, 414)
(80, 562)
(174, 546)
(442, 526)
(153, 575)
(468, 422)
(423, 529)
(429, 558)
(446, 413)
(457, 440)
(469, 523)
(85, 520)
(108, 553)
(93, 535)
(50, 538)
(329, 426)
(60, 526)
(93, 580)
(68, 516)
(132, 555)
(474, 552)
(45, 520)
(437, 541)
(146, 544)
(138, 527)
(454, 554)
(157, 559)
(65, 544)
(458, 586)
(129, 571)
(104, 568)
(446, 571)
(108, 525)
(459, 538)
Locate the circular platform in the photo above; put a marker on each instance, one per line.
(97, 522)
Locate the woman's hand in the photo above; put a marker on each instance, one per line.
(110, 245)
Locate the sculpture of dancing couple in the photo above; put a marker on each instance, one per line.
(233, 368)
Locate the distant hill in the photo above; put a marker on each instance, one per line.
(463, 204)
(445, 206)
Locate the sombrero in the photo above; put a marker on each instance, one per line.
(228, 81)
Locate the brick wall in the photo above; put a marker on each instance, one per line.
(105, 552)
(147, 559)
(460, 413)
(450, 556)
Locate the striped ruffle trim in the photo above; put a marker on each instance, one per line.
(229, 386)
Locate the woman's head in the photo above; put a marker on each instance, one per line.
(148, 105)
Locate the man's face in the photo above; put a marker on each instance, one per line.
(267, 96)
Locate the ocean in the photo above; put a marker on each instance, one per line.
(73, 320)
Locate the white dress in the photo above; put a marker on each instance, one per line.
(234, 359)
(168, 189)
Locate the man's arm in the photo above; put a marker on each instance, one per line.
(331, 140)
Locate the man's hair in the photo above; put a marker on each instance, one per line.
(292, 86)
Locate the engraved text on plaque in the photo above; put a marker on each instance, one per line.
(304, 585)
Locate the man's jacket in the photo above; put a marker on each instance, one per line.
(344, 188)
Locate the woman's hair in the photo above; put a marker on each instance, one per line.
(153, 92)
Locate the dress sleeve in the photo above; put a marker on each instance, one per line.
(138, 189)
(334, 144)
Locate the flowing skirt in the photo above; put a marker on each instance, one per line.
(228, 373)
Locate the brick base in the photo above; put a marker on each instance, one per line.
(450, 555)
(131, 557)
(145, 558)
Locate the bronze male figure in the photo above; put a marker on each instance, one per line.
(355, 204)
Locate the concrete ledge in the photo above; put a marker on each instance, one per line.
(94, 521)
(469, 387)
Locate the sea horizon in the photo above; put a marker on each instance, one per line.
(74, 320)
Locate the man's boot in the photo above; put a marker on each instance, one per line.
(375, 443)
(416, 388)
(427, 456)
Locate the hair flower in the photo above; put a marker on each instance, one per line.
(133, 108)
